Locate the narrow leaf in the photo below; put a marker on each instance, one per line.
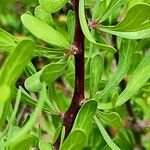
(125, 61)
(86, 31)
(16, 62)
(44, 32)
(136, 81)
(113, 5)
(7, 40)
(96, 70)
(71, 24)
(105, 135)
(85, 116)
(77, 138)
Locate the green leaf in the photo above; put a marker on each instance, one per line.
(44, 145)
(110, 118)
(105, 135)
(114, 98)
(28, 126)
(136, 24)
(16, 62)
(33, 83)
(136, 81)
(99, 9)
(52, 6)
(25, 142)
(4, 109)
(95, 74)
(27, 99)
(5, 91)
(113, 5)
(56, 135)
(52, 71)
(146, 87)
(44, 32)
(43, 16)
(125, 139)
(85, 116)
(89, 3)
(62, 137)
(86, 31)
(7, 41)
(75, 141)
(138, 78)
(71, 24)
(136, 61)
(12, 119)
(125, 61)
(11, 71)
(2, 145)
(103, 106)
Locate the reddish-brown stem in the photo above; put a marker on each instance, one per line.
(78, 96)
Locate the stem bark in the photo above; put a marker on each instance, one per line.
(78, 96)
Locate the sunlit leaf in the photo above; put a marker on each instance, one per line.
(44, 32)
(52, 6)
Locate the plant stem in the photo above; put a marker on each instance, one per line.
(79, 73)
(78, 96)
(136, 125)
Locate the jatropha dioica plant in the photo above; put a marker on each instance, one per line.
(100, 54)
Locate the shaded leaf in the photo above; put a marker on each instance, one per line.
(125, 60)
(96, 70)
(105, 135)
(85, 116)
(136, 81)
(110, 118)
(77, 138)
